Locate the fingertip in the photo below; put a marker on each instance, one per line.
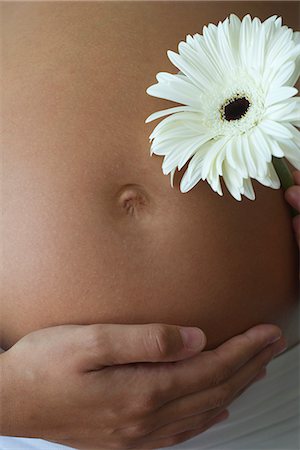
(193, 338)
(267, 332)
(296, 176)
(292, 196)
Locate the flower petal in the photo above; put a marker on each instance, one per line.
(234, 155)
(232, 180)
(282, 75)
(196, 76)
(177, 90)
(279, 94)
(216, 147)
(292, 153)
(280, 111)
(249, 160)
(275, 129)
(260, 162)
(165, 112)
(248, 189)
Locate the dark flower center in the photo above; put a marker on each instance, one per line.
(235, 109)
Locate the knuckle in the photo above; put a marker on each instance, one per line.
(97, 342)
(144, 405)
(158, 341)
(149, 403)
(94, 337)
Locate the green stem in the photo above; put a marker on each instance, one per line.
(285, 176)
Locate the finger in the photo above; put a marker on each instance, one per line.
(292, 196)
(181, 437)
(181, 426)
(210, 368)
(296, 226)
(113, 344)
(261, 375)
(296, 176)
(216, 397)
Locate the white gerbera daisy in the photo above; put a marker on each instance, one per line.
(236, 84)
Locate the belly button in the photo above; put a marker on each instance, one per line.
(133, 200)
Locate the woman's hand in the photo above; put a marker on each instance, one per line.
(292, 196)
(111, 386)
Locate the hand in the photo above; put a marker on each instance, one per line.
(115, 386)
(292, 196)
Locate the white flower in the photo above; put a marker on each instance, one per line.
(236, 84)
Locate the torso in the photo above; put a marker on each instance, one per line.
(93, 231)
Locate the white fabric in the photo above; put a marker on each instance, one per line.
(266, 417)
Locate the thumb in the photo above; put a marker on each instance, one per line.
(113, 344)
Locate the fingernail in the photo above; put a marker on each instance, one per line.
(193, 338)
(281, 348)
(274, 338)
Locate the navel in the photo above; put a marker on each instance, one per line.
(133, 200)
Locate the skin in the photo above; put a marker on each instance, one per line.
(292, 196)
(93, 232)
(48, 210)
(100, 387)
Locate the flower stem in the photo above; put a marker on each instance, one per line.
(285, 176)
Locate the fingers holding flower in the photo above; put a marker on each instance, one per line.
(292, 196)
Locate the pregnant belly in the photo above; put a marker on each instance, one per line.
(92, 230)
(136, 255)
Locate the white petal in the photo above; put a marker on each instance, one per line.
(279, 94)
(271, 179)
(234, 155)
(196, 76)
(199, 60)
(172, 153)
(189, 180)
(225, 50)
(172, 177)
(248, 189)
(190, 150)
(176, 90)
(165, 112)
(232, 180)
(295, 132)
(282, 75)
(209, 159)
(215, 184)
(280, 111)
(207, 61)
(293, 116)
(258, 54)
(211, 42)
(245, 40)
(180, 154)
(249, 160)
(279, 47)
(292, 153)
(262, 144)
(275, 181)
(173, 121)
(260, 162)
(275, 129)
